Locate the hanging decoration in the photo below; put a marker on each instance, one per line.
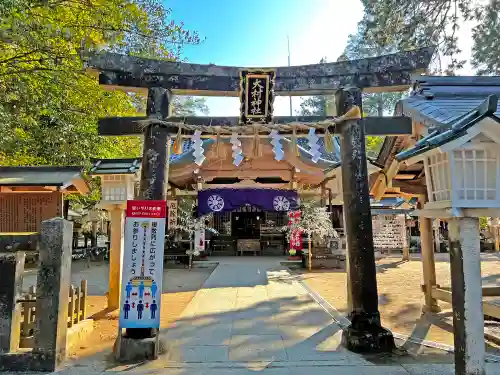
(314, 147)
(277, 146)
(199, 238)
(237, 150)
(256, 96)
(295, 232)
(178, 142)
(198, 150)
(329, 147)
(256, 144)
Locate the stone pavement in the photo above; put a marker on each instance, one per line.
(252, 316)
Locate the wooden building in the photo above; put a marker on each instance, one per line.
(30, 195)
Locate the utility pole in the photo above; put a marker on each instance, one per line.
(290, 97)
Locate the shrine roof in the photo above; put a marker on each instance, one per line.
(437, 101)
(447, 107)
(115, 166)
(327, 158)
(69, 179)
(392, 202)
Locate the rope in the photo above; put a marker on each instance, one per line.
(253, 129)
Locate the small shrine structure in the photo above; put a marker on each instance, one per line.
(118, 184)
(452, 154)
(30, 195)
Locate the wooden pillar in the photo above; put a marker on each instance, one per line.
(468, 318)
(437, 237)
(406, 244)
(115, 257)
(93, 239)
(496, 234)
(154, 179)
(323, 195)
(365, 334)
(428, 264)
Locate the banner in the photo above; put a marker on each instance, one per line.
(294, 218)
(226, 200)
(142, 274)
(172, 214)
(199, 239)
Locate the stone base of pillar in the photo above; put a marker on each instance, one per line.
(128, 349)
(366, 335)
(431, 309)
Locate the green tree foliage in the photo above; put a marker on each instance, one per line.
(313, 106)
(407, 24)
(49, 103)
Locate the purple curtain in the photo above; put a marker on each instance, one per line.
(224, 200)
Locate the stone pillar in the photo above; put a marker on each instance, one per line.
(428, 264)
(154, 171)
(115, 257)
(11, 271)
(365, 334)
(347, 268)
(154, 162)
(52, 291)
(468, 318)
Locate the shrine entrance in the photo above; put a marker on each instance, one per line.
(342, 81)
(246, 225)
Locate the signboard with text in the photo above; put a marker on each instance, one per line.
(142, 274)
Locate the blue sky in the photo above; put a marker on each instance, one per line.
(253, 33)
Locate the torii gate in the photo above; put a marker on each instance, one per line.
(345, 80)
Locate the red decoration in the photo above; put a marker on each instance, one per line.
(296, 234)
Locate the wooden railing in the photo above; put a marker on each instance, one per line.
(77, 311)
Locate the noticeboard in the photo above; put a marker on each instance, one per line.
(142, 274)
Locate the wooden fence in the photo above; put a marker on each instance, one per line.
(77, 311)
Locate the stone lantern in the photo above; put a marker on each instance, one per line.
(118, 178)
(462, 170)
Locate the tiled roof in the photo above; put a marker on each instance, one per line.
(448, 106)
(329, 158)
(115, 166)
(39, 176)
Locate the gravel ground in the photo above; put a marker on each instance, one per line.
(400, 295)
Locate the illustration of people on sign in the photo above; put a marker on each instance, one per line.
(141, 289)
(126, 308)
(153, 309)
(154, 289)
(128, 289)
(140, 309)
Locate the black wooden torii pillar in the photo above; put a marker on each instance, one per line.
(346, 80)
